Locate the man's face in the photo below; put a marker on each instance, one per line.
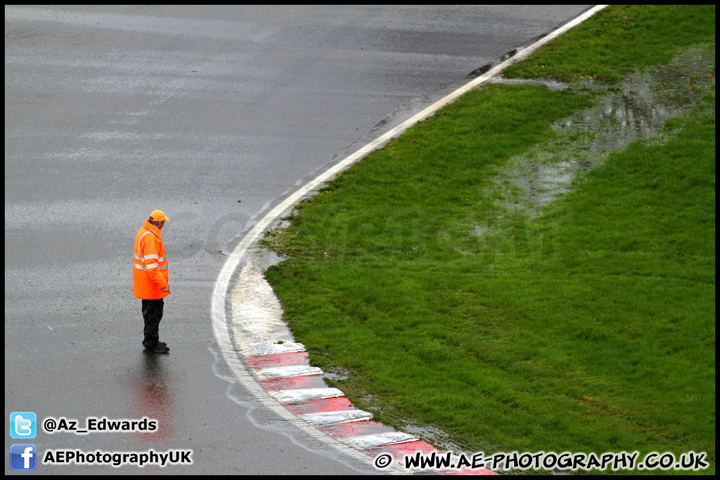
(159, 225)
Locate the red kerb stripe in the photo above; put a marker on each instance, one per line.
(288, 383)
(277, 359)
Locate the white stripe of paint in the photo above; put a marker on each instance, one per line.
(303, 394)
(273, 348)
(341, 416)
(379, 439)
(253, 348)
(222, 284)
(287, 371)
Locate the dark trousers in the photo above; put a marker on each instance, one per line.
(152, 311)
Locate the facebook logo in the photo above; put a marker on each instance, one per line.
(23, 425)
(23, 456)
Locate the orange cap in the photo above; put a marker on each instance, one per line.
(159, 216)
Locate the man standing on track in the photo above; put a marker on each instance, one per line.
(150, 278)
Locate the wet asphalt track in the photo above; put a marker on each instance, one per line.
(213, 114)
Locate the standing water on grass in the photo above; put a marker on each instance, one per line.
(635, 110)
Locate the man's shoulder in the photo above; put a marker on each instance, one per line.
(141, 235)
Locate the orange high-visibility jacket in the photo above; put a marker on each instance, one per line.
(150, 272)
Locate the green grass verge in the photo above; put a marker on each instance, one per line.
(588, 328)
(618, 40)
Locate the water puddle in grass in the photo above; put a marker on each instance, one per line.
(636, 109)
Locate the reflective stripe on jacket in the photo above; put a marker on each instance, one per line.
(150, 272)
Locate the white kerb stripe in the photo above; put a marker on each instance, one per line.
(303, 394)
(287, 371)
(270, 348)
(342, 416)
(379, 439)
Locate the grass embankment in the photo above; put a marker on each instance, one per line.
(587, 328)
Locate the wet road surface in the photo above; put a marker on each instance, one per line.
(212, 114)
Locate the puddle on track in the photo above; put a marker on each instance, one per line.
(636, 109)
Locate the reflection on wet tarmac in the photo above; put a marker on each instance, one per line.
(152, 396)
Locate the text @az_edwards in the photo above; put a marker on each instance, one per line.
(98, 424)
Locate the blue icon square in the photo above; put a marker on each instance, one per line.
(23, 456)
(23, 425)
